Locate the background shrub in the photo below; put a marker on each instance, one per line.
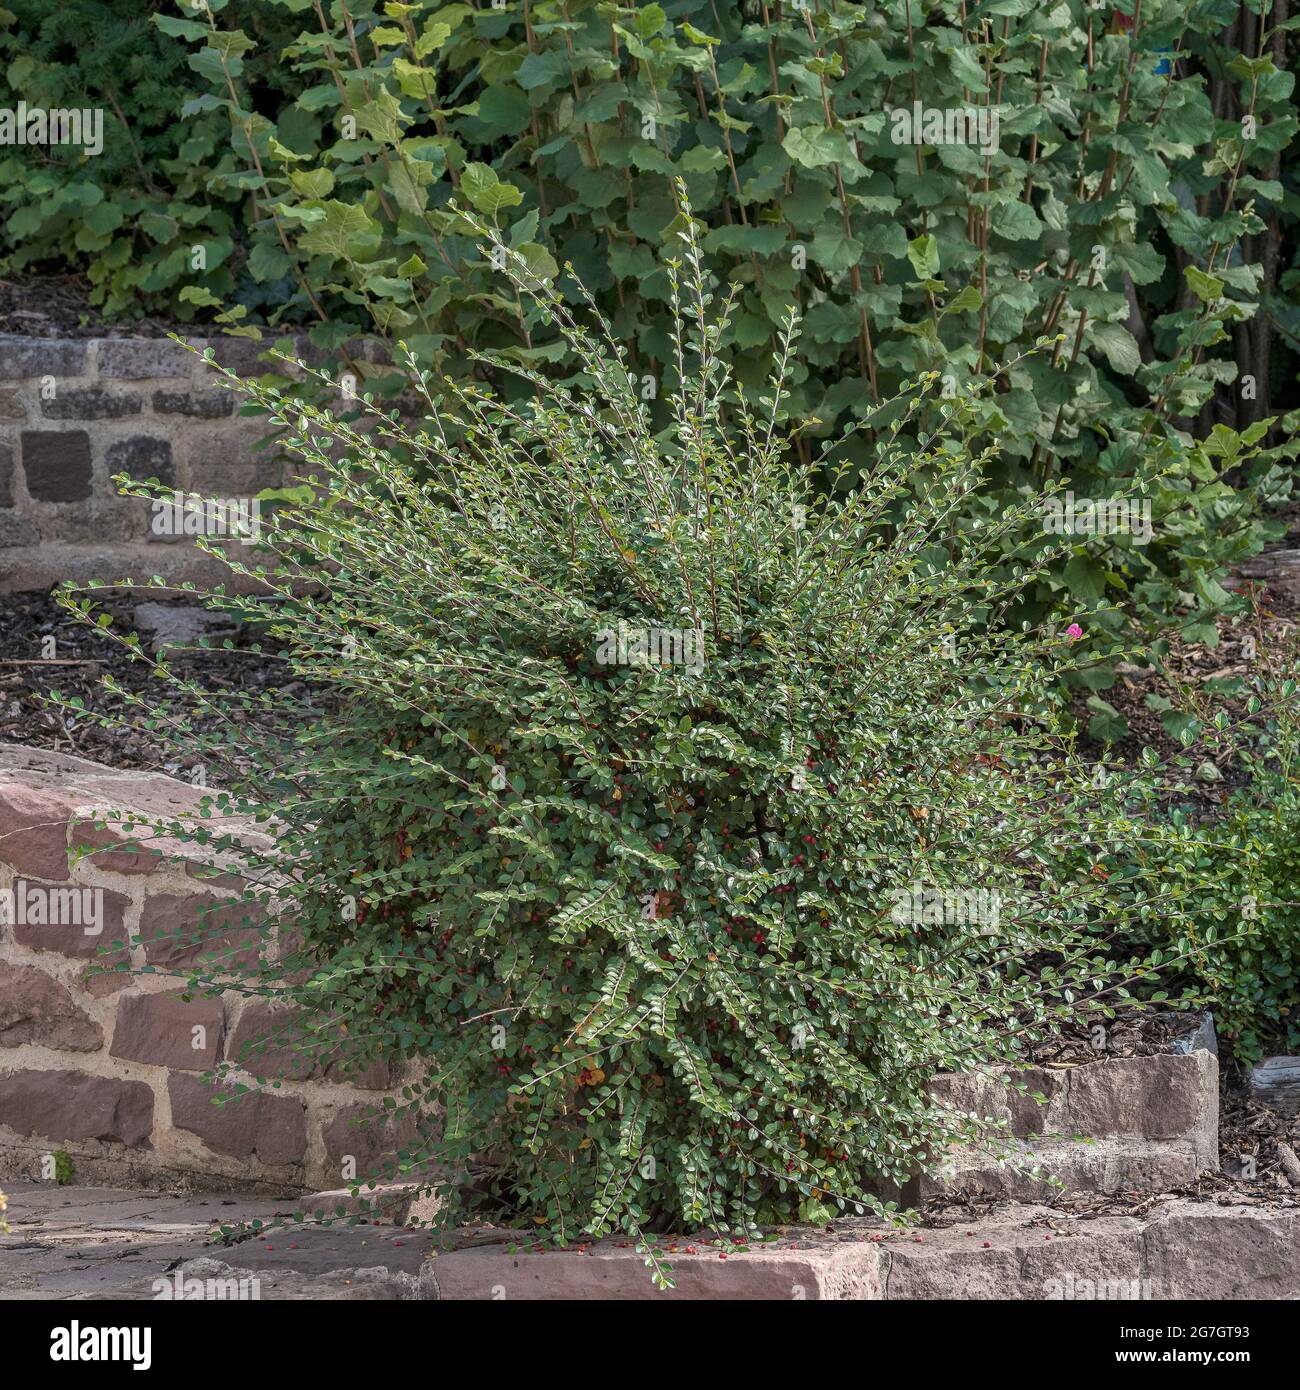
(166, 180)
(317, 155)
(1253, 978)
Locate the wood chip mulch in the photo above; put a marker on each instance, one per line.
(83, 657)
(59, 306)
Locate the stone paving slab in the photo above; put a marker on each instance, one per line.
(1180, 1250)
(1025, 1253)
(810, 1270)
(82, 1243)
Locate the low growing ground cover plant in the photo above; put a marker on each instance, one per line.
(1229, 856)
(1250, 967)
(680, 818)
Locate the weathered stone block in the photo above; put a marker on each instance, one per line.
(1198, 1251)
(357, 1147)
(225, 462)
(56, 464)
(203, 405)
(72, 1105)
(123, 796)
(180, 931)
(167, 1031)
(142, 457)
(213, 877)
(102, 839)
(14, 531)
(11, 406)
(383, 1203)
(68, 936)
(92, 403)
(1023, 1259)
(99, 984)
(34, 831)
(1115, 1164)
(236, 354)
(274, 1128)
(1161, 1097)
(996, 1098)
(263, 1043)
(6, 476)
(136, 359)
(23, 358)
(36, 1008)
(178, 625)
(611, 1271)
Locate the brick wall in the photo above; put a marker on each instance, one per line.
(72, 413)
(107, 1068)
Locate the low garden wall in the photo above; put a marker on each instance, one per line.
(101, 1074)
(106, 1068)
(75, 411)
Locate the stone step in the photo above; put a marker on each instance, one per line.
(1179, 1250)
(1130, 1124)
(1024, 1172)
(85, 1243)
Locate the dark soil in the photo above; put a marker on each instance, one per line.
(58, 306)
(1251, 1131)
(83, 656)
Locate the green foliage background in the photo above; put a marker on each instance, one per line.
(1252, 855)
(318, 145)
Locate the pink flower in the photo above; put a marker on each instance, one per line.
(1074, 632)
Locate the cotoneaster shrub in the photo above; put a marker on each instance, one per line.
(680, 820)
